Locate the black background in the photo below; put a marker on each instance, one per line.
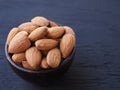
(97, 27)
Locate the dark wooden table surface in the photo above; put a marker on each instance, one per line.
(97, 27)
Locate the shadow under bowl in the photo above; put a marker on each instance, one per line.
(43, 77)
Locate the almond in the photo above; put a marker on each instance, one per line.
(26, 65)
(44, 64)
(46, 44)
(52, 24)
(54, 58)
(11, 34)
(19, 43)
(19, 57)
(28, 27)
(40, 21)
(55, 32)
(67, 44)
(33, 56)
(68, 30)
(38, 33)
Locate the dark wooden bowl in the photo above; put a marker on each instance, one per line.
(43, 77)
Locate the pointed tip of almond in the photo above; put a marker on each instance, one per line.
(11, 34)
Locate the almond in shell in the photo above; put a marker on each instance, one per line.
(46, 44)
(67, 44)
(19, 43)
(54, 58)
(33, 56)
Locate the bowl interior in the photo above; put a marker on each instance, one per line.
(68, 59)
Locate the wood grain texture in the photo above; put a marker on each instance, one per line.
(97, 27)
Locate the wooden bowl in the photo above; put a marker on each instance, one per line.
(43, 77)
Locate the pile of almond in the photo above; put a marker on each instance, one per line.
(40, 44)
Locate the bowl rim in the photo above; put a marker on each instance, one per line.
(37, 71)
